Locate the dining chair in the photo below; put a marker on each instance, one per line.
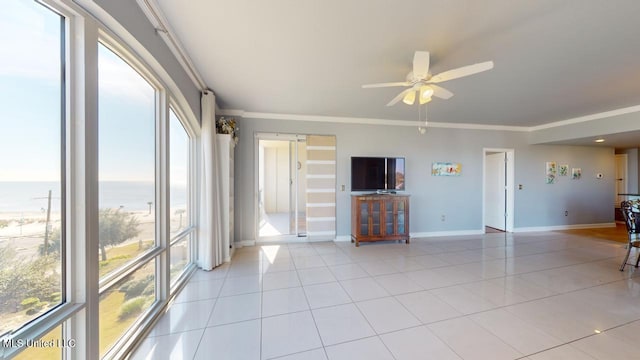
(631, 212)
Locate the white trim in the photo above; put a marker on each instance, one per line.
(510, 173)
(321, 233)
(411, 123)
(564, 227)
(321, 162)
(319, 147)
(159, 21)
(319, 205)
(242, 243)
(446, 233)
(321, 176)
(581, 119)
(367, 121)
(321, 219)
(321, 190)
(418, 235)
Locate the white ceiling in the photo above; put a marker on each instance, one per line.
(554, 59)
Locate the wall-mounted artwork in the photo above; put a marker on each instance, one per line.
(551, 169)
(576, 173)
(564, 170)
(446, 169)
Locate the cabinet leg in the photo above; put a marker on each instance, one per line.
(407, 241)
(357, 243)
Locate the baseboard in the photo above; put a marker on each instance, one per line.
(243, 243)
(564, 227)
(426, 234)
(446, 233)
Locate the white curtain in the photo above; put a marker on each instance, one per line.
(210, 250)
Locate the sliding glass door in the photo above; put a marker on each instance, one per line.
(296, 177)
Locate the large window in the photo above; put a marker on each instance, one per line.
(127, 201)
(180, 212)
(96, 197)
(32, 218)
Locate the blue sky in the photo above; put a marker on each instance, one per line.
(30, 109)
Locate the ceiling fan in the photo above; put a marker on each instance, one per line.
(422, 84)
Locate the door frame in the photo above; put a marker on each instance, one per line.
(625, 179)
(510, 186)
(256, 183)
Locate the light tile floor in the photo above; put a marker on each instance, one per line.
(495, 296)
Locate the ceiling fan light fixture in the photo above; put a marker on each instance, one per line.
(426, 91)
(424, 100)
(425, 94)
(409, 98)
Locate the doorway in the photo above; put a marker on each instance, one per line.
(295, 187)
(281, 186)
(498, 190)
(621, 178)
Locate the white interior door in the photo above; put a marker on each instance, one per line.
(621, 178)
(495, 191)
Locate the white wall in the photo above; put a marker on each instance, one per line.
(458, 198)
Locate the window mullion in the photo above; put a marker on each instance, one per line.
(82, 222)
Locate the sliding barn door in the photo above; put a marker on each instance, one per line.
(321, 186)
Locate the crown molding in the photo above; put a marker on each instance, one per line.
(159, 21)
(365, 121)
(391, 122)
(587, 118)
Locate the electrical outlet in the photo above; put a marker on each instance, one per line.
(442, 217)
(566, 213)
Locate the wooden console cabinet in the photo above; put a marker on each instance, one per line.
(376, 217)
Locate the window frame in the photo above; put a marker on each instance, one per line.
(189, 232)
(86, 23)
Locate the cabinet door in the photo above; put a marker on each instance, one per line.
(389, 218)
(401, 219)
(363, 209)
(376, 217)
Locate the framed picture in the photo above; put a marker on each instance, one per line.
(446, 169)
(551, 168)
(564, 170)
(576, 173)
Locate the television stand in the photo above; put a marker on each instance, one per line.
(385, 191)
(379, 217)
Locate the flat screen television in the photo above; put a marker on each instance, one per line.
(377, 173)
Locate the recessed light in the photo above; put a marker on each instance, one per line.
(599, 140)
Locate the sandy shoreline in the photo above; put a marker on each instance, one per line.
(24, 231)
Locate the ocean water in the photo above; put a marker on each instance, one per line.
(32, 196)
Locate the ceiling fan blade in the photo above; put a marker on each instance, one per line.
(391, 84)
(399, 96)
(420, 64)
(462, 71)
(441, 92)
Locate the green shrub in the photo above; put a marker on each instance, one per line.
(136, 288)
(28, 303)
(55, 297)
(32, 305)
(131, 307)
(107, 262)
